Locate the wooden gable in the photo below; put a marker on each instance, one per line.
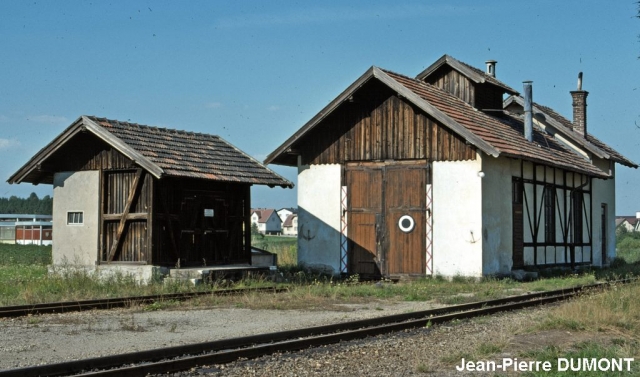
(377, 124)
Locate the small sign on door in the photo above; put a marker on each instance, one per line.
(208, 212)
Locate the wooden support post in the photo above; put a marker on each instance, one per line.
(123, 219)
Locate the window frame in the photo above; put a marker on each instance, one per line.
(75, 218)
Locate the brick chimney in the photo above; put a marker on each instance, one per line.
(580, 108)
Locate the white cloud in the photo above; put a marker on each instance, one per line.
(213, 105)
(273, 108)
(8, 143)
(48, 119)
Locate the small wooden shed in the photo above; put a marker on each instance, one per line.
(126, 193)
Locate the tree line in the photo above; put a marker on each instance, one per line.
(30, 206)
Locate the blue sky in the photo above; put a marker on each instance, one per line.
(255, 72)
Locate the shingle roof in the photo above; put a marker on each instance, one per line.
(615, 156)
(504, 132)
(264, 214)
(163, 152)
(193, 155)
(289, 220)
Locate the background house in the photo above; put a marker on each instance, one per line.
(134, 197)
(267, 220)
(629, 223)
(290, 225)
(26, 229)
(283, 213)
(438, 174)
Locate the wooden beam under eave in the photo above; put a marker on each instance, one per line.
(133, 194)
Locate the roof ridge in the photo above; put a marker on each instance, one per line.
(156, 128)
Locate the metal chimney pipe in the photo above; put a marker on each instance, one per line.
(528, 110)
(491, 67)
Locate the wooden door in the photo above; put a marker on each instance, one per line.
(204, 236)
(386, 215)
(405, 212)
(364, 206)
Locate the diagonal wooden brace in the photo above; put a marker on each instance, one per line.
(133, 194)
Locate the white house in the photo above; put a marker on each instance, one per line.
(290, 225)
(453, 173)
(283, 213)
(267, 220)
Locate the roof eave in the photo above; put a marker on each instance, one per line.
(320, 116)
(375, 72)
(463, 69)
(45, 152)
(437, 114)
(122, 147)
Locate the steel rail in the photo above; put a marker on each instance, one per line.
(178, 358)
(110, 303)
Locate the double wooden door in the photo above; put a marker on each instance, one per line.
(386, 207)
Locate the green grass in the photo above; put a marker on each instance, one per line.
(285, 247)
(12, 255)
(24, 279)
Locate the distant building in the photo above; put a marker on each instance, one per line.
(26, 229)
(630, 223)
(283, 213)
(267, 220)
(290, 225)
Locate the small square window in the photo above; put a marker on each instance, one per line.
(75, 218)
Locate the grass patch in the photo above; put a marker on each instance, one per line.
(285, 247)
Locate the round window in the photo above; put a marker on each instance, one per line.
(406, 223)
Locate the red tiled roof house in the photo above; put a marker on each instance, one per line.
(439, 174)
(135, 196)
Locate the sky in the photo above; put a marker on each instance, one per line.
(254, 72)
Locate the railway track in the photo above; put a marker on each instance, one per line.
(111, 303)
(180, 358)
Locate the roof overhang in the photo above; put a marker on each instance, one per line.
(467, 71)
(82, 124)
(377, 73)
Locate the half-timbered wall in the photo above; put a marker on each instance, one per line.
(381, 126)
(557, 213)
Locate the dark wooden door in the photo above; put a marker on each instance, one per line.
(364, 207)
(204, 236)
(379, 197)
(405, 202)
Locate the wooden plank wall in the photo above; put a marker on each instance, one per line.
(135, 244)
(86, 152)
(455, 83)
(386, 129)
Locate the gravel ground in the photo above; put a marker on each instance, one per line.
(54, 338)
(421, 352)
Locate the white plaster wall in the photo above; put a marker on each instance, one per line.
(457, 218)
(74, 192)
(604, 191)
(319, 217)
(497, 234)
